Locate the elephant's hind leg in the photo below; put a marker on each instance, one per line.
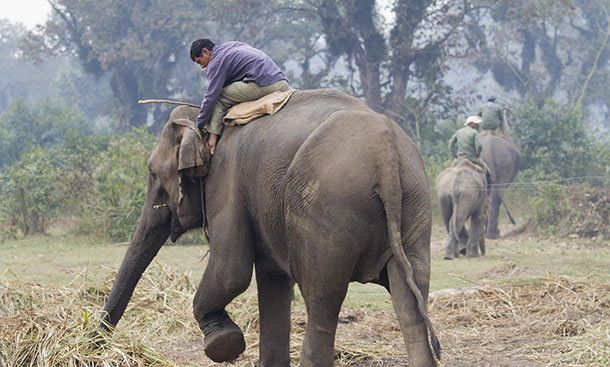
(323, 278)
(477, 234)
(463, 236)
(451, 248)
(323, 306)
(274, 292)
(412, 324)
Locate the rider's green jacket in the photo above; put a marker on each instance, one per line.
(491, 114)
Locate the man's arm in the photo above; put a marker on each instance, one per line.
(477, 144)
(453, 146)
(217, 76)
(501, 114)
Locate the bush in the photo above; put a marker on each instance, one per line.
(43, 125)
(119, 180)
(554, 142)
(580, 210)
(99, 180)
(29, 191)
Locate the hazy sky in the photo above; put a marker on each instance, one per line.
(28, 12)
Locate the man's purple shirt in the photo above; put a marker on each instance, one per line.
(232, 62)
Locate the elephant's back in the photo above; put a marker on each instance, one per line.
(494, 146)
(444, 181)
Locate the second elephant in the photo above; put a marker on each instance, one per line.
(502, 159)
(461, 196)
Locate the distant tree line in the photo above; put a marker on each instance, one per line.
(74, 142)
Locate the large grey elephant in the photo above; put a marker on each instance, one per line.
(502, 158)
(322, 193)
(461, 196)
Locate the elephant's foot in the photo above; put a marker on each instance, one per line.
(492, 235)
(223, 339)
(451, 255)
(472, 254)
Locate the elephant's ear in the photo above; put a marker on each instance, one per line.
(193, 162)
(193, 157)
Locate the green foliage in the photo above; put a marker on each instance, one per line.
(577, 210)
(119, 186)
(42, 125)
(98, 180)
(29, 190)
(555, 143)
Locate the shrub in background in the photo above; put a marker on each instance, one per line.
(98, 180)
(554, 142)
(43, 125)
(29, 191)
(119, 178)
(579, 210)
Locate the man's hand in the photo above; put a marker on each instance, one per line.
(212, 140)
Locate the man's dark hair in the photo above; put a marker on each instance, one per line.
(198, 46)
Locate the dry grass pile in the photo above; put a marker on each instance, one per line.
(42, 326)
(555, 321)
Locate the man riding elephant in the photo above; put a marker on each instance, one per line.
(466, 144)
(236, 73)
(492, 118)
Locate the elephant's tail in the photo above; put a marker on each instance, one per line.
(391, 194)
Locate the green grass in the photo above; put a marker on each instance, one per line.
(59, 260)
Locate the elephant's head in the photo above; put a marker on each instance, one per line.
(176, 166)
(173, 203)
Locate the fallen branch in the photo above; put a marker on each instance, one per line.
(146, 101)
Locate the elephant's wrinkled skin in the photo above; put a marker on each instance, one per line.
(502, 158)
(461, 196)
(324, 192)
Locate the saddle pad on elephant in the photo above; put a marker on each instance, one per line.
(245, 112)
(468, 163)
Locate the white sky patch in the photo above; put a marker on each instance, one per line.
(27, 12)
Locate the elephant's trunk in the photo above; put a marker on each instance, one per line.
(152, 232)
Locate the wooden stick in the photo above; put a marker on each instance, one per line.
(145, 101)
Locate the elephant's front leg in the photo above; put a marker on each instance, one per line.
(274, 292)
(227, 275)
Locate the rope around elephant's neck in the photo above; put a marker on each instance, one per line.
(146, 101)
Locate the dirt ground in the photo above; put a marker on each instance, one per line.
(532, 301)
